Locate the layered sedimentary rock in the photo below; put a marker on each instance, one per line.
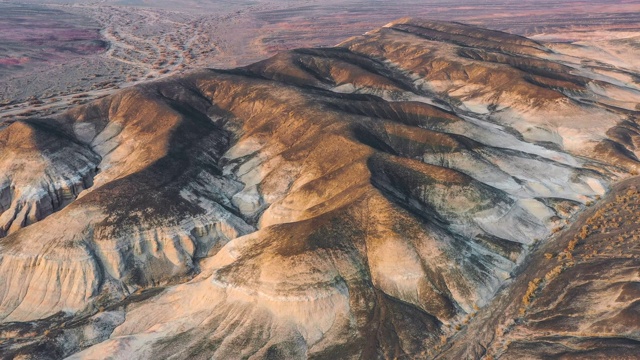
(362, 201)
(43, 170)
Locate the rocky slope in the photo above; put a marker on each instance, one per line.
(362, 201)
(577, 297)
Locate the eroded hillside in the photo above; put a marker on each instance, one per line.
(362, 201)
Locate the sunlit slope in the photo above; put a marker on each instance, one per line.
(357, 201)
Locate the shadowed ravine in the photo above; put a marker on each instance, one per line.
(385, 198)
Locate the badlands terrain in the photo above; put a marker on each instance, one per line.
(60, 53)
(425, 190)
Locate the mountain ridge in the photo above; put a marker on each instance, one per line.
(361, 201)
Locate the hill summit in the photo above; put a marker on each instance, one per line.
(405, 194)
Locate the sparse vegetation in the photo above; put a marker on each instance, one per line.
(529, 294)
(624, 209)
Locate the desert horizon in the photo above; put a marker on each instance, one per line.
(319, 180)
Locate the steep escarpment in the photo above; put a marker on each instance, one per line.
(360, 201)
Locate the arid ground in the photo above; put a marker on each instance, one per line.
(425, 189)
(61, 53)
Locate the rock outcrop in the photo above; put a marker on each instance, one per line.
(362, 201)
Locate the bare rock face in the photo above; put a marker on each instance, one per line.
(363, 201)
